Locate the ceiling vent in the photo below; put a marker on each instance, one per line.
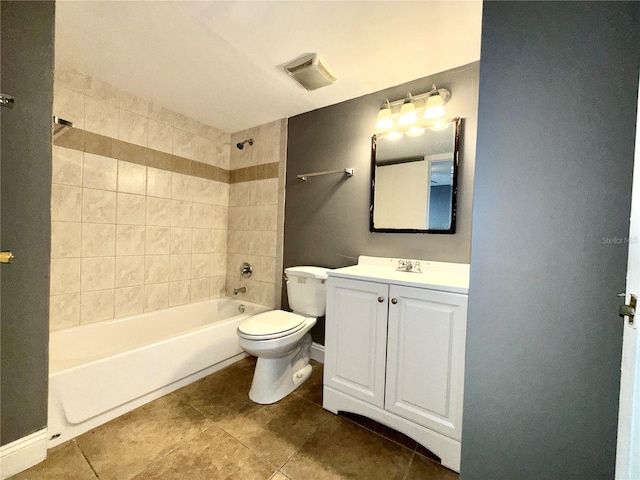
(310, 72)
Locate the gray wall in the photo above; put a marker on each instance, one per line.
(327, 218)
(557, 112)
(25, 189)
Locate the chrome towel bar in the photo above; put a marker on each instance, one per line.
(347, 171)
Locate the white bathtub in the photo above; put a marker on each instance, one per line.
(100, 371)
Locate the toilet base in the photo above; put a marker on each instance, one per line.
(275, 378)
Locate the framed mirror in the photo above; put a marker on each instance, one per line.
(414, 179)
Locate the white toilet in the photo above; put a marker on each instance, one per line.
(281, 340)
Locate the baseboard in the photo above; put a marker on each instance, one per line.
(23, 453)
(317, 352)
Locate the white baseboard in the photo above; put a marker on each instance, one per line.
(23, 453)
(317, 352)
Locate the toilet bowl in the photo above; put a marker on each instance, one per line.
(281, 340)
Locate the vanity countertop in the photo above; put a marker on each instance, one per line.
(446, 277)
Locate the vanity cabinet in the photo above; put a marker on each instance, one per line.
(395, 353)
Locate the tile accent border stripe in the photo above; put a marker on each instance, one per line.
(84, 141)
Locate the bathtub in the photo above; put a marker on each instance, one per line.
(100, 371)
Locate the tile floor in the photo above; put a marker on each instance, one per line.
(211, 430)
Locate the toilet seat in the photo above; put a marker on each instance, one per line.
(270, 325)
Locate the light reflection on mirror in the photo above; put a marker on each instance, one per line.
(414, 180)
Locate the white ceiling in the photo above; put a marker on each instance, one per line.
(220, 61)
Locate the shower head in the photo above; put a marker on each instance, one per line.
(241, 144)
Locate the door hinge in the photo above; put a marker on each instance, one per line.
(629, 310)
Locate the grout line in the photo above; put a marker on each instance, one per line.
(406, 472)
(86, 459)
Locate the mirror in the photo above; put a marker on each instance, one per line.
(413, 187)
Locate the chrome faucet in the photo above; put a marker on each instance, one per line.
(240, 290)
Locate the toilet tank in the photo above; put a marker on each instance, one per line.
(307, 290)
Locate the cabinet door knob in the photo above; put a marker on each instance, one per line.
(380, 299)
(394, 301)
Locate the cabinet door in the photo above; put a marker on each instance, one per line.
(425, 362)
(355, 338)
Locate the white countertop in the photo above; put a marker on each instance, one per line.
(442, 276)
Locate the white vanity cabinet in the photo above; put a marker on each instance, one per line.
(394, 352)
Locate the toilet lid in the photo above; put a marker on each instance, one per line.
(271, 323)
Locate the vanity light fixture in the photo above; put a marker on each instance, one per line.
(408, 112)
(385, 122)
(435, 103)
(393, 135)
(415, 131)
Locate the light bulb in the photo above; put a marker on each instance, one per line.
(435, 107)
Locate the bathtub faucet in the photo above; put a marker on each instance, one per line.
(239, 290)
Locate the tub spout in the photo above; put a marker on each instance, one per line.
(239, 290)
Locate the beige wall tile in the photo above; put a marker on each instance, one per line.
(222, 157)
(219, 241)
(156, 296)
(204, 150)
(179, 292)
(218, 264)
(202, 239)
(69, 105)
(102, 91)
(98, 206)
(101, 117)
(267, 244)
(64, 311)
(98, 273)
(66, 239)
(183, 144)
(158, 211)
(181, 213)
(220, 219)
(99, 172)
(185, 123)
(217, 288)
(221, 194)
(160, 136)
(96, 306)
(98, 240)
(132, 128)
(158, 240)
(269, 192)
(200, 289)
(132, 178)
(70, 78)
(66, 166)
(158, 183)
(203, 190)
(181, 240)
(266, 269)
(156, 269)
(134, 104)
(130, 240)
(269, 217)
(181, 187)
(161, 114)
(131, 209)
(66, 203)
(202, 215)
(200, 265)
(129, 271)
(65, 276)
(180, 267)
(128, 301)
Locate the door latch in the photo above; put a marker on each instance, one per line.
(629, 310)
(7, 100)
(6, 257)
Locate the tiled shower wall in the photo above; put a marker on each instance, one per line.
(139, 206)
(256, 212)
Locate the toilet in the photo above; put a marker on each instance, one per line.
(281, 340)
